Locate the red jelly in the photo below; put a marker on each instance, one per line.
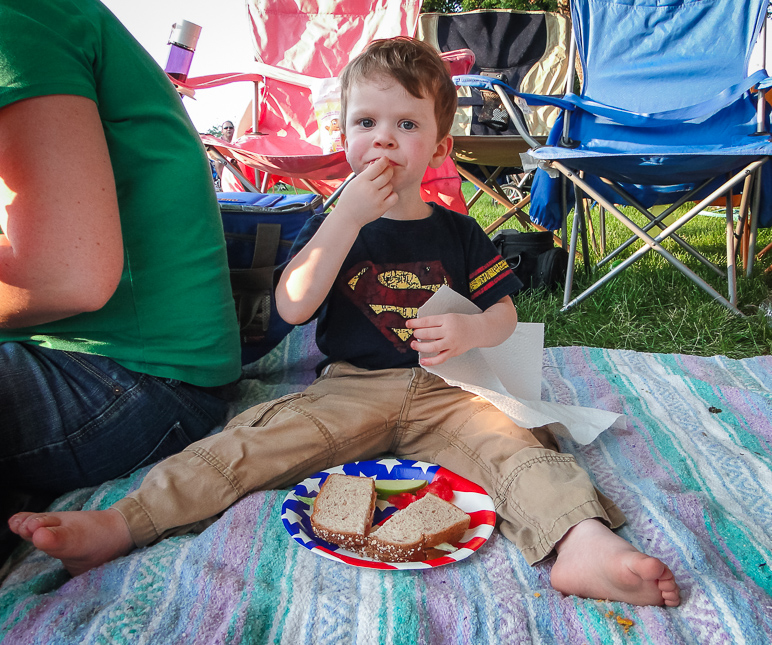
(402, 500)
(440, 487)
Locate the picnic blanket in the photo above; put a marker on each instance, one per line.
(691, 470)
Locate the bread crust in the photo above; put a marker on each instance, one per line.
(386, 550)
(326, 499)
(375, 542)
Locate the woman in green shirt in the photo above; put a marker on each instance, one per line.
(117, 325)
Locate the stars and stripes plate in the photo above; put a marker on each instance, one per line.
(469, 497)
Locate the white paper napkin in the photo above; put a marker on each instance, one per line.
(509, 376)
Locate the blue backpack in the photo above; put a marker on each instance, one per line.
(259, 232)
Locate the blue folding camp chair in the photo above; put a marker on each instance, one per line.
(667, 114)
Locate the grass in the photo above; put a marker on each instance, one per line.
(652, 307)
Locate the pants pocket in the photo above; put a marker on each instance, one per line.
(262, 413)
(172, 442)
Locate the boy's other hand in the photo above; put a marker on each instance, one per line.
(370, 194)
(441, 337)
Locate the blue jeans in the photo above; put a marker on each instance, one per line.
(69, 420)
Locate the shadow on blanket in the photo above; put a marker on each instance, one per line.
(691, 471)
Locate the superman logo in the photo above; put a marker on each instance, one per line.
(390, 294)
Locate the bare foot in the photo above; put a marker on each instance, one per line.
(594, 562)
(82, 540)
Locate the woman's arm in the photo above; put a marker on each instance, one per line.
(61, 251)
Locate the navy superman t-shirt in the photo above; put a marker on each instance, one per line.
(393, 268)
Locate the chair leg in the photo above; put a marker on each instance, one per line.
(742, 229)
(491, 182)
(731, 268)
(754, 225)
(572, 244)
(762, 253)
(579, 215)
(591, 226)
(564, 211)
(514, 209)
(658, 221)
(480, 185)
(602, 225)
(650, 243)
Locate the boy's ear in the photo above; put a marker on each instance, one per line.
(343, 141)
(444, 146)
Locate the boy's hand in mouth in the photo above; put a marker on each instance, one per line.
(372, 186)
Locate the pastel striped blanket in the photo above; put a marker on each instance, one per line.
(691, 471)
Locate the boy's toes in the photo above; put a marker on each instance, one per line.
(17, 524)
(672, 597)
(32, 522)
(50, 539)
(671, 594)
(668, 585)
(649, 569)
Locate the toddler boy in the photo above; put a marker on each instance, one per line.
(364, 270)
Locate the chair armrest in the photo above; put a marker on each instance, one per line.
(215, 80)
(764, 84)
(460, 61)
(702, 109)
(490, 83)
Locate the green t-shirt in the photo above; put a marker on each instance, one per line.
(172, 315)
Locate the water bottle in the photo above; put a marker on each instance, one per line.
(182, 43)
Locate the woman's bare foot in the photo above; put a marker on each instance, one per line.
(594, 562)
(82, 540)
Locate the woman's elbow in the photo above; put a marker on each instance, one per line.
(95, 300)
(93, 291)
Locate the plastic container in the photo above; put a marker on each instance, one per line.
(182, 46)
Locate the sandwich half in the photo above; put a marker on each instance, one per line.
(410, 534)
(343, 510)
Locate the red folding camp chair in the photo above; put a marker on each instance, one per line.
(298, 51)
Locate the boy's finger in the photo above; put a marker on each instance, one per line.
(423, 322)
(426, 334)
(436, 359)
(376, 167)
(427, 346)
(391, 200)
(384, 176)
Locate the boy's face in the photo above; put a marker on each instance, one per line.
(384, 120)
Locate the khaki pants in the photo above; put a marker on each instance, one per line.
(350, 414)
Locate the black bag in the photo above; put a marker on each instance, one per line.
(533, 257)
(259, 232)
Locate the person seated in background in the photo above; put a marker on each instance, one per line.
(118, 330)
(383, 243)
(227, 131)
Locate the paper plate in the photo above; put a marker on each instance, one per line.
(469, 497)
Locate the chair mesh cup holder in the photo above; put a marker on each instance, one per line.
(493, 113)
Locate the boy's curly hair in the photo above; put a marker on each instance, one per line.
(415, 65)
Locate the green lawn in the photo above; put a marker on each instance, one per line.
(651, 307)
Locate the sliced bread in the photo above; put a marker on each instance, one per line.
(409, 534)
(343, 511)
